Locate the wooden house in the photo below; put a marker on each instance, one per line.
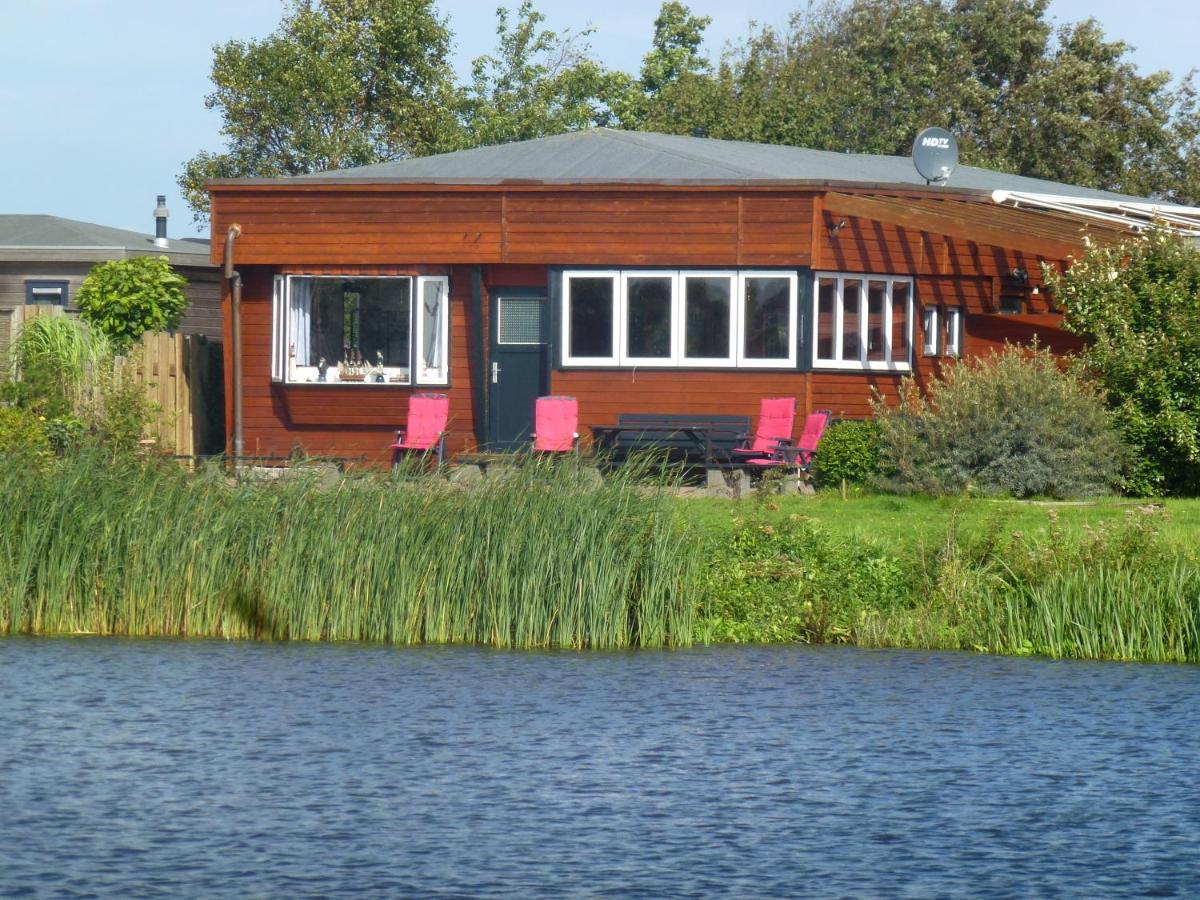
(637, 272)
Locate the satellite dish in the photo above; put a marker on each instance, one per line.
(935, 154)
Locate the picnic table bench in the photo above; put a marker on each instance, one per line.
(706, 440)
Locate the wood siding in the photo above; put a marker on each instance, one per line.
(628, 228)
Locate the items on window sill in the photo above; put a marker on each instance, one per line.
(291, 365)
(377, 372)
(322, 369)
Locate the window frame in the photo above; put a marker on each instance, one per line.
(752, 362)
(638, 362)
(737, 357)
(952, 332)
(578, 361)
(931, 331)
(728, 361)
(36, 286)
(283, 331)
(862, 364)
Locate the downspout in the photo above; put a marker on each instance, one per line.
(235, 333)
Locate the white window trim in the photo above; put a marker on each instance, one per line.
(954, 331)
(419, 373)
(283, 331)
(932, 330)
(862, 364)
(737, 357)
(676, 323)
(567, 359)
(730, 359)
(750, 362)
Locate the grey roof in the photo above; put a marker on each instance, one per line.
(605, 155)
(29, 236)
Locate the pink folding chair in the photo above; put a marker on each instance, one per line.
(776, 418)
(799, 457)
(425, 431)
(555, 425)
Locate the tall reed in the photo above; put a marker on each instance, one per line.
(537, 555)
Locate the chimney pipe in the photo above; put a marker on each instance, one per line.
(160, 221)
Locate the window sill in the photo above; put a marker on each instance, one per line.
(837, 366)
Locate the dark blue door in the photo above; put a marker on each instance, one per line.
(518, 372)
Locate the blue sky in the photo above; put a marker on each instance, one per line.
(101, 101)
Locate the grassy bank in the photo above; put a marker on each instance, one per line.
(541, 556)
(538, 558)
(1105, 580)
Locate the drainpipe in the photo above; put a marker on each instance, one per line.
(235, 332)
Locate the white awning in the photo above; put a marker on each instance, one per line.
(1126, 214)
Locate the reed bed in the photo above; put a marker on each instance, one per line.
(536, 555)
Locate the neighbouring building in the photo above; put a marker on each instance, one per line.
(44, 259)
(637, 272)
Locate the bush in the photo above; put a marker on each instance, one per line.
(54, 361)
(1013, 423)
(848, 451)
(22, 434)
(1138, 305)
(125, 298)
(793, 581)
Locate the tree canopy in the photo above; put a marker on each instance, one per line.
(349, 82)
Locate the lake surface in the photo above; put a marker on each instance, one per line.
(237, 769)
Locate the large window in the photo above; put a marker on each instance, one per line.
(679, 318)
(361, 330)
(862, 322)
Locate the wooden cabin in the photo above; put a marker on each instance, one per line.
(640, 273)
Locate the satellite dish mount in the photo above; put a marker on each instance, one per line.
(935, 154)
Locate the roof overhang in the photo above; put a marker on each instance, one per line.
(92, 254)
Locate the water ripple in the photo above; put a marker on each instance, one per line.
(159, 768)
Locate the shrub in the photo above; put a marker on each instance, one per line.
(792, 581)
(125, 298)
(55, 359)
(1012, 423)
(22, 434)
(1138, 305)
(848, 451)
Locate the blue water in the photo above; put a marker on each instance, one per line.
(235, 769)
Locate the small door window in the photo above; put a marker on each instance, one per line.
(520, 320)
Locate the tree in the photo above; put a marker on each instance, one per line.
(1138, 305)
(867, 75)
(339, 83)
(539, 82)
(125, 298)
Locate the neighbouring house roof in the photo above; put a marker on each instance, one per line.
(54, 239)
(606, 155)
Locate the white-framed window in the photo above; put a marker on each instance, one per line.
(590, 323)
(862, 322)
(357, 329)
(929, 328)
(952, 344)
(709, 318)
(667, 317)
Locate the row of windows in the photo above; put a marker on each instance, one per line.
(383, 329)
(680, 318)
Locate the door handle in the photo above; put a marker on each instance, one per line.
(495, 373)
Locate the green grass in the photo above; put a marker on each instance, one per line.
(536, 556)
(1112, 579)
(910, 524)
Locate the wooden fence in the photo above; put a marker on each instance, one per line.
(184, 381)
